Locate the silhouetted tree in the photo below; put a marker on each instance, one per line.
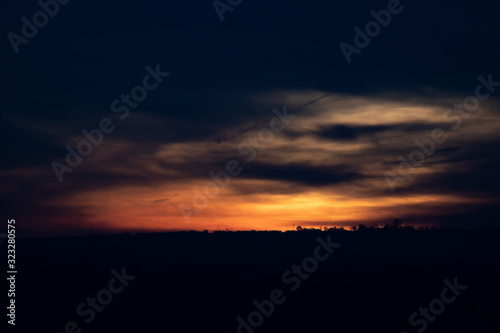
(299, 228)
(396, 223)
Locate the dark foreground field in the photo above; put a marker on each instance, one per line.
(203, 282)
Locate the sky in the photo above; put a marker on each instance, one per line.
(261, 121)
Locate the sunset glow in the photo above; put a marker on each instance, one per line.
(325, 169)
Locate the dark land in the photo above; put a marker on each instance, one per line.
(201, 282)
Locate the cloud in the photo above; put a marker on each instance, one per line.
(335, 151)
(302, 173)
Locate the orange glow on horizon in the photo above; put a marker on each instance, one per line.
(156, 209)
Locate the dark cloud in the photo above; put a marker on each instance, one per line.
(345, 132)
(302, 173)
(23, 147)
(351, 132)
